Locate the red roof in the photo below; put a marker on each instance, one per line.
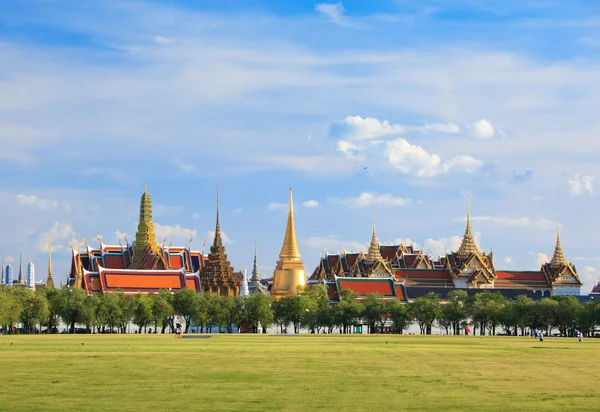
(367, 286)
(528, 279)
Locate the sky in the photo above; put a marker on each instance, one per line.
(389, 110)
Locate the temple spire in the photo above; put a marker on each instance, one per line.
(145, 237)
(374, 252)
(289, 250)
(21, 279)
(255, 274)
(468, 244)
(558, 258)
(244, 291)
(49, 280)
(218, 242)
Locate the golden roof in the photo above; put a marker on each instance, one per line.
(468, 244)
(558, 258)
(374, 253)
(289, 250)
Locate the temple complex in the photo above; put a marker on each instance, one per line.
(217, 276)
(289, 274)
(145, 266)
(410, 273)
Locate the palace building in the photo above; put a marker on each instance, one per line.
(147, 266)
(404, 272)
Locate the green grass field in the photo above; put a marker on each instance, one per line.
(246, 372)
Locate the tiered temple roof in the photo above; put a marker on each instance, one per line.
(467, 268)
(142, 267)
(217, 276)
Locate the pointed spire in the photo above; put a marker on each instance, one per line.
(255, 274)
(558, 258)
(374, 252)
(21, 279)
(2, 280)
(289, 250)
(218, 242)
(49, 280)
(145, 236)
(468, 244)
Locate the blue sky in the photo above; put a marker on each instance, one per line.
(498, 99)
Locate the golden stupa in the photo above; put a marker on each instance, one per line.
(289, 274)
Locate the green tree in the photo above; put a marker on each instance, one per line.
(161, 310)
(201, 313)
(399, 315)
(55, 303)
(35, 309)
(285, 311)
(348, 311)
(374, 312)
(567, 314)
(544, 314)
(109, 311)
(142, 311)
(315, 301)
(184, 301)
(90, 310)
(11, 308)
(127, 305)
(523, 307)
(258, 311)
(72, 312)
(456, 311)
(485, 308)
(425, 310)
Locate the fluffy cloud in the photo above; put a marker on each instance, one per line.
(333, 11)
(310, 204)
(483, 129)
(590, 276)
(507, 260)
(333, 244)
(541, 258)
(224, 237)
(60, 233)
(581, 185)
(277, 206)
(442, 245)
(183, 166)
(44, 204)
(175, 233)
(366, 199)
(414, 160)
(354, 128)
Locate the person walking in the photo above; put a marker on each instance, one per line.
(580, 336)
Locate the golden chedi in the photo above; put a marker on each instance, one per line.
(289, 274)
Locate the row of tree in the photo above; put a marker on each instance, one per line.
(44, 309)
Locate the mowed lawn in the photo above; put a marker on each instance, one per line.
(249, 372)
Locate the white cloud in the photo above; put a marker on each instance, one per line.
(414, 160)
(542, 258)
(175, 233)
(237, 210)
(590, 277)
(58, 233)
(366, 199)
(183, 166)
(333, 244)
(507, 260)
(354, 128)
(224, 237)
(121, 236)
(443, 245)
(44, 204)
(450, 128)
(483, 129)
(310, 204)
(163, 40)
(581, 185)
(334, 11)
(537, 198)
(277, 206)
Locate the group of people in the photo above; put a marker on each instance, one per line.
(540, 334)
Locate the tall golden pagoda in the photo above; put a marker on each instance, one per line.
(558, 257)
(145, 237)
(468, 244)
(289, 273)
